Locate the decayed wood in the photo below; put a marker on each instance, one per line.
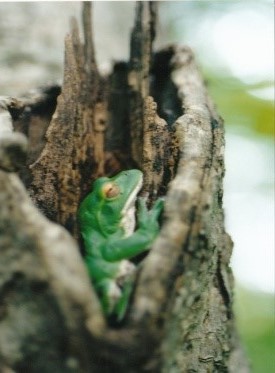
(180, 318)
(13, 146)
(47, 303)
(150, 134)
(73, 155)
(198, 335)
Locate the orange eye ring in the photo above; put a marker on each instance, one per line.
(110, 190)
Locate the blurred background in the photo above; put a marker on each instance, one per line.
(234, 46)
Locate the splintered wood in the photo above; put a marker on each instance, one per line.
(155, 140)
(73, 155)
(13, 146)
(99, 127)
(151, 136)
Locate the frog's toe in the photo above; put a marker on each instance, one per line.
(114, 294)
(142, 201)
(109, 294)
(158, 207)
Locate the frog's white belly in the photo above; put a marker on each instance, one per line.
(128, 221)
(128, 218)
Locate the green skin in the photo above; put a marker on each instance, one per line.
(107, 222)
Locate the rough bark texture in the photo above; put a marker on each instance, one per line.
(153, 113)
(73, 155)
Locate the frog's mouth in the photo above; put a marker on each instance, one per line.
(128, 220)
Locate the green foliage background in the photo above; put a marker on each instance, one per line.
(238, 105)
(255, 317)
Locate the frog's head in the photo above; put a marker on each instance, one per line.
(111, 204)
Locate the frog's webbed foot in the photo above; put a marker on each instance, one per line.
(109, 293)
(114, 298)
(148, 219)
(123, 302)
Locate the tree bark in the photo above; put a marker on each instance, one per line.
(153, 113)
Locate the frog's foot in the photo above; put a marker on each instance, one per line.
(148, 219)
(115, 299)
(123, 303)
(157, 208)
(114, 295)
(110, 294)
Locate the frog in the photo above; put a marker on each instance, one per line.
(116, 226)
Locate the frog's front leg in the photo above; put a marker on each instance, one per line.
(116, 249)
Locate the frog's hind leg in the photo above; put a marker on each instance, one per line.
(109, 295)
(123, 302)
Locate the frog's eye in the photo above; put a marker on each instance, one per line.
(110, 190)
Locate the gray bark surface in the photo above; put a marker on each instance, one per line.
(153, 113)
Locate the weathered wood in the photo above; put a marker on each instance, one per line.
(47, 303)
(13, 146)
(73, 155)
(180, 318)
(153, 146)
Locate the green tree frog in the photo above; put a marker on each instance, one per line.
(107, 220)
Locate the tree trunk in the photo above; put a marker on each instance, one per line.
(153, 113)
